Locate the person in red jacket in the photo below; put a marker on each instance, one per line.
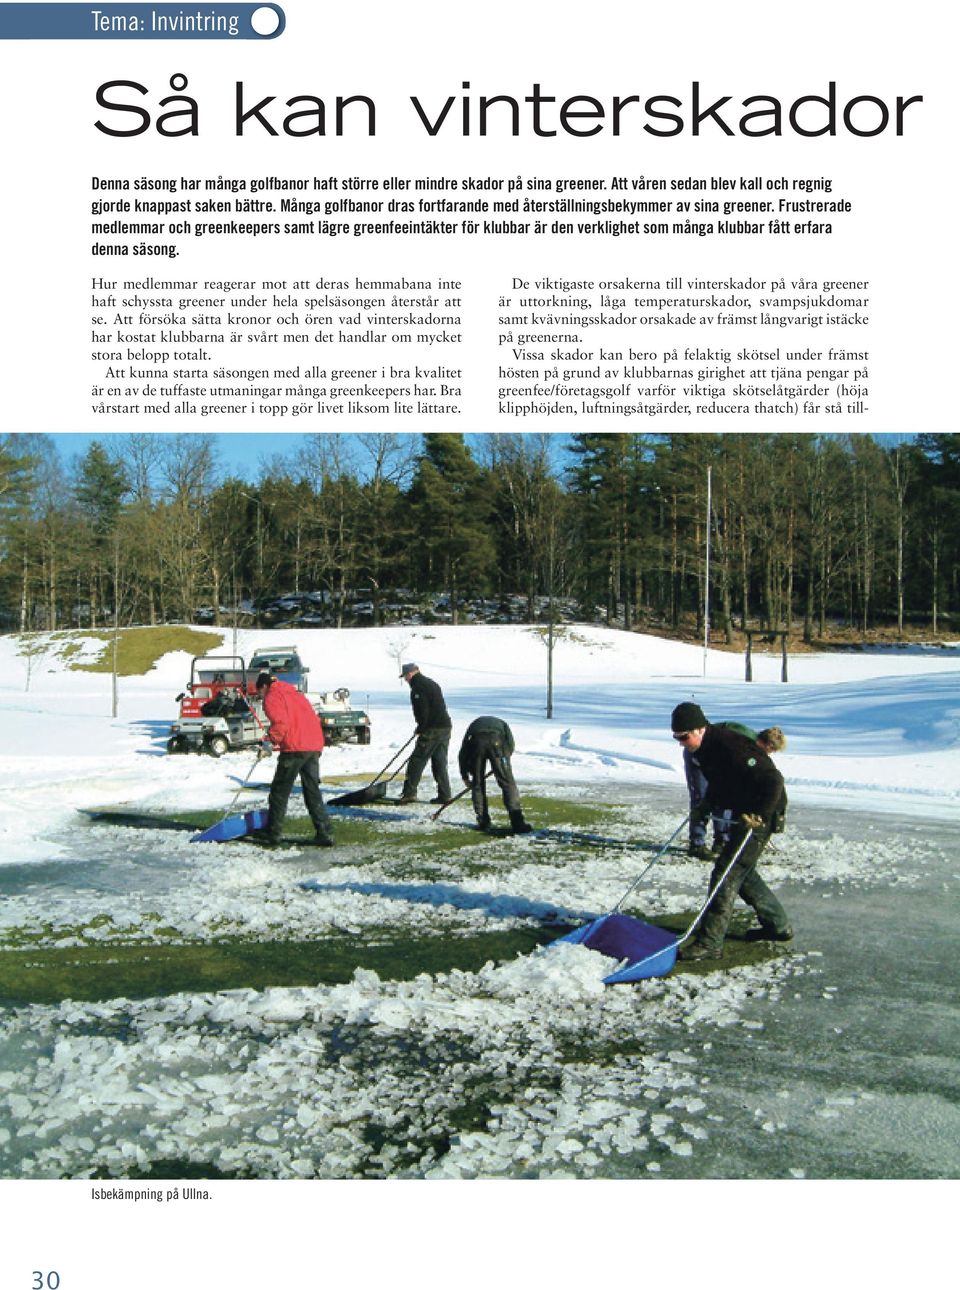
(295, 731)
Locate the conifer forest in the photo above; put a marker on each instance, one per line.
(808, 533)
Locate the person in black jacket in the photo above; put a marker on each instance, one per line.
(697, 789)
(433, 736)
(489, 742)
(743, 780)
(770, 740)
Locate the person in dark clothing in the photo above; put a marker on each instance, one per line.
(743, 780)
(489, 742)
(295, 730)
(433, 727)
(770, 740)
(697, 789)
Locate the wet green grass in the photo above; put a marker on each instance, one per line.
(555, 812)
(151, 959)
(445, 842)
(142, 971)
(349, 831)
(415, 853)
(542, 812)
(39, 936)
(132, 967)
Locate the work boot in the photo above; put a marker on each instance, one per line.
(440, 801)
(699, 851)
(769, 934)
(483, 821)
(406, 798)
(264, 838)
(518, 823)
(697, 952)
(322, 840)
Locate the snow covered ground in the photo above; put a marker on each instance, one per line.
(374, 1078)
(878, 731)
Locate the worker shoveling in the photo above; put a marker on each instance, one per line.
(642, 949)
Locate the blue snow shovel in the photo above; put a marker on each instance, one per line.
(236, 826)
(643, 949)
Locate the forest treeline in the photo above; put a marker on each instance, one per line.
(805, 531)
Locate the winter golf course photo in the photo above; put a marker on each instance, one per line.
(402, 1005)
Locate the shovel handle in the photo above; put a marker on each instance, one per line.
(394, 775)
(636, 882)
(246, 777)
(392, 760)
(463, 792)
(436, 815)
(723, 878)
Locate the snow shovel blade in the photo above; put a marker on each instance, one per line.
(372, 793)
(647, 949)
(234, 826)
(657, 963)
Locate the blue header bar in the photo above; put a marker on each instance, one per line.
(141, 22)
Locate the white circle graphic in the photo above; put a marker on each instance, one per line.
(264, 21)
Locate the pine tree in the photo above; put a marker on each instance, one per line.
(18, 483)
(99, 489)
(451, 504)
(611, 482)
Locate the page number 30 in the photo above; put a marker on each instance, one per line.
(45, 1281)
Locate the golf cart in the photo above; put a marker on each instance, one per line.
(217, 711)
(342, 724)
(221, 712)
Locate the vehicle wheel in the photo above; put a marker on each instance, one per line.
(342, 694)
(177, 744)
(217, 745)
(363, 735)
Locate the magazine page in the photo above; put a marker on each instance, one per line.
(264, 216)
(590, 366)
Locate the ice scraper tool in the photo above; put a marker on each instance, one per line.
(377, 787)
(643, 949)
(236, 826)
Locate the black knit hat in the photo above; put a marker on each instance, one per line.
(687, 716)
(263, 680)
